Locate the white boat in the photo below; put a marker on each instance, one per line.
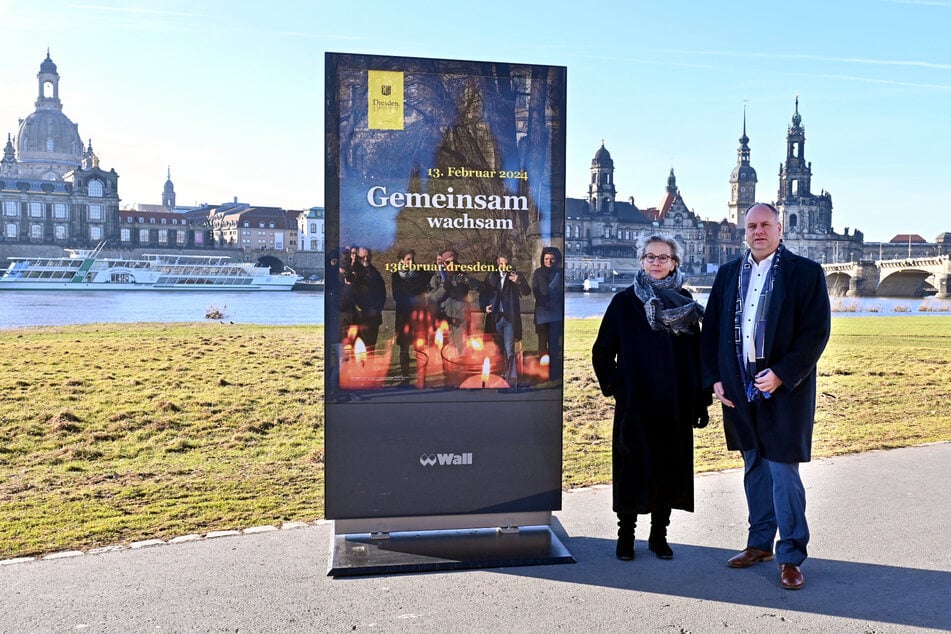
(85, 270)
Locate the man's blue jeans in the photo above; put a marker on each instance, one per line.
(505, 339)
(776, 500)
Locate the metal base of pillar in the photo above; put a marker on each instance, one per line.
(424, 551)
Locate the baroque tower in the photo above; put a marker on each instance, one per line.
(742, 180)
(168, 192)
(601, 191)
(802, 211)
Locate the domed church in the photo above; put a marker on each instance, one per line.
(52, 190)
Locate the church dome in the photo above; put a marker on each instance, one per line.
(47, 66)
(743, 173)
(48, 136)
(602, 158)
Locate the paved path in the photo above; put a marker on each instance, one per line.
(880, 562)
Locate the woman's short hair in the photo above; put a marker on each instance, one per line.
(676, 251)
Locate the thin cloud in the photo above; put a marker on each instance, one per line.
(94, 7)
(889, 82)
(817, 58)
(926, 3)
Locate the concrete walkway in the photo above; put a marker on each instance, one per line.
(880, 562)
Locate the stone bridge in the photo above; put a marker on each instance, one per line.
(910, 277)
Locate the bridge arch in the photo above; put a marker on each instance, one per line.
(838, 283)
(275, 263)
(905, 283)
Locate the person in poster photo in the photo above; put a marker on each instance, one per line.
(370, 297)
(647, 356)
(548, 289)
(500, 300)
(410, 286)
(449, 290)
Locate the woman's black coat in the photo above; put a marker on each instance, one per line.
(655, 379)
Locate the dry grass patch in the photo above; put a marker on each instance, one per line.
(116, 433)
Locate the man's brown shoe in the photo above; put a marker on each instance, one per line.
(749, 557)
(790, 577)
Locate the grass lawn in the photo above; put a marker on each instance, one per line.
(121, 432)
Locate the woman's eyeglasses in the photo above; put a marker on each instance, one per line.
(663, 259)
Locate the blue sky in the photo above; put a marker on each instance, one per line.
(229, 94)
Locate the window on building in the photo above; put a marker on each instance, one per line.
(180, 237)
(95, 189)
(163, 236)
(164, 221)
(36, 232)
(95, 232)
(36, 210)
(143, 236)
(95, 212)
(50, 145)
(59, 232)
(11, 230)
(174, 221)
(11, 209)
(125, 235)
(141, 220)
(313, 245)
(793, 221)
(313, 227)
(151, 221)
(794, 187)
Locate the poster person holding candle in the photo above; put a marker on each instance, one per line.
(647, 356)
(548, 287)
(500, 299)
(449, 290)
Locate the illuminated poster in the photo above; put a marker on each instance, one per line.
(444, 289)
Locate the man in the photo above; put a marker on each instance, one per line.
(370, 297)
(766, 324)
(410, 286)
(500, 299)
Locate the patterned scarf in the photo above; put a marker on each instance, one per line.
(665, 308)
(749, 369)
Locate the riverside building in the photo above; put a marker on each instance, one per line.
(52, 189)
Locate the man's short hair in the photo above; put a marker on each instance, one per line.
(767, 205)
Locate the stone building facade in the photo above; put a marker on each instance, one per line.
(52, 189)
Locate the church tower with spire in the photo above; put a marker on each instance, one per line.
(742, 180)
(802, 211)
(168, 192)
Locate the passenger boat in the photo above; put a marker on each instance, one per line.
(85, 270)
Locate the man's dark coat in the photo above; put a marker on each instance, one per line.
(798, 321)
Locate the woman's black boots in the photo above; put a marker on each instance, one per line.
(625, 536)
(657, 542)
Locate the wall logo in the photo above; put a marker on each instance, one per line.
(444, 459)
(385, 100)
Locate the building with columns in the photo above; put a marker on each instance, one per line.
(52, 189)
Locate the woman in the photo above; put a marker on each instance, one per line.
(647, 356)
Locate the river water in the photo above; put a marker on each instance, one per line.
(19, 309)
